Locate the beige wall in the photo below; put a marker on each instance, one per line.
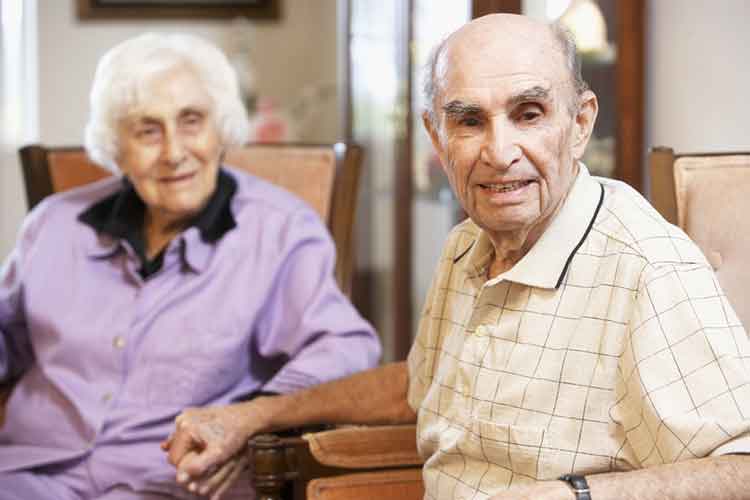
(698, 76)
(298, 49)
(289, 54)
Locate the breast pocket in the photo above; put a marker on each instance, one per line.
(197, 367)
(517, 449)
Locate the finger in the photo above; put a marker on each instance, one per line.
(196, 464)
(206, 486)
(167, 443)
(183, 477)
(182, 443)
(229, 481)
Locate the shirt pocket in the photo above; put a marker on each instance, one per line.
(515, 448)
(197, 368)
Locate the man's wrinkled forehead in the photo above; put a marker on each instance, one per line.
(502, 51)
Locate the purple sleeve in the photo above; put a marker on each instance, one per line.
(15, 350)
(306, 319)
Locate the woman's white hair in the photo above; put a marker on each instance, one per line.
(125, 71)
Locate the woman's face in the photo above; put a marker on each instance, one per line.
(169, 145)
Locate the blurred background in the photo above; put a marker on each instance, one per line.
(667, 72)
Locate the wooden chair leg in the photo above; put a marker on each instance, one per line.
(271, 466)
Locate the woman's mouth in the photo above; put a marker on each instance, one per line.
(174, 179)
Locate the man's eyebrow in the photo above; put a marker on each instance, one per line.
(458, 108)
(535, 93)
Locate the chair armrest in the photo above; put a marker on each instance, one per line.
(396, 484)
(366, 447)
(281, 461)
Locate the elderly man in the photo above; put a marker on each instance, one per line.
(181, 282)
(570, 334)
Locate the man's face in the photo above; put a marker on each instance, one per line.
(507, 137)
(169, 145)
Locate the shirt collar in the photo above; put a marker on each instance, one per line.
(545, 264)
(119, 218)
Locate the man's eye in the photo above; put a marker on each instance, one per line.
(529, 116)
(529, 113)
(470, 122)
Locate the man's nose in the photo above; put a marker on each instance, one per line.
(500, 149)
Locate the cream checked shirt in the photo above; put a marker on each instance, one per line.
(609, 346)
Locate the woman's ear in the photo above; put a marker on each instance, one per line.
(588, 108)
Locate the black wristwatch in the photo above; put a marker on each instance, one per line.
(578, 484)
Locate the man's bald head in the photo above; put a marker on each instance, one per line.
(524, 29)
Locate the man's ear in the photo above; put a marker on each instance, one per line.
(432, 131)
(585, 118)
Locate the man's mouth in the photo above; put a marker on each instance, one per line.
(506, 187)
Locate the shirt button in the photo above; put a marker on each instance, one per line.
(481, 331)
(118, 342)
(107, 397)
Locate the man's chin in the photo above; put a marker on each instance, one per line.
(513, 219)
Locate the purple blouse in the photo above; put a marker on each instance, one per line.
(107, 360)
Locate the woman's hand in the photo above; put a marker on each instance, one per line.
(218, 482)
(208, 444)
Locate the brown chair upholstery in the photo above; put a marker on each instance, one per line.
(362, 462)
(708, 196)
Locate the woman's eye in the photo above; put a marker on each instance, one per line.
(147, 132)
(470, 122)
(192, 120)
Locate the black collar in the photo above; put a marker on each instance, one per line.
(121, 216)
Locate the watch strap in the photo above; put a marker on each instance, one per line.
(578, 484)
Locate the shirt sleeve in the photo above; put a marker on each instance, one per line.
(15, 349)
(307, 320)
(685, 390)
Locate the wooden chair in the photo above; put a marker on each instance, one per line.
(362, 462)
(708, 196)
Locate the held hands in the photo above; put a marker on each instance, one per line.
(208, 447)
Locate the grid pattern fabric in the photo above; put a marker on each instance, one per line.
(609, 346)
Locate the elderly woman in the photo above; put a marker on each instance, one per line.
(180, 283)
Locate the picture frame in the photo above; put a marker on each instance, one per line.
(178, 9)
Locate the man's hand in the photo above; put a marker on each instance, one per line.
(205, 439)
(207, 446)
